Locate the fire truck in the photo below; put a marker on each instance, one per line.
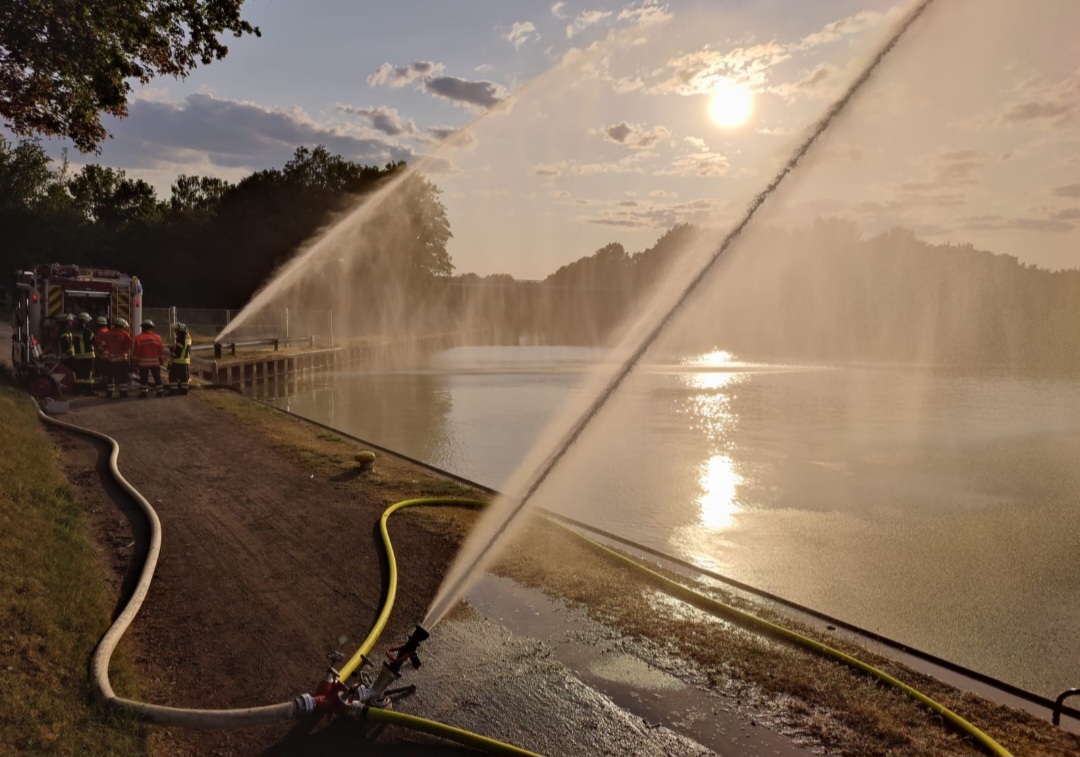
(42, 298)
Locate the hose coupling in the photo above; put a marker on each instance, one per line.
(305, 704)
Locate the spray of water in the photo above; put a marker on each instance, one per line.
(507, 511)
(340, 239)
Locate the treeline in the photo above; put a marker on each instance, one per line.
(823, 292)
(212, 242)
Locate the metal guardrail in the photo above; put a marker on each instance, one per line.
(1059, 703)
(276, 343)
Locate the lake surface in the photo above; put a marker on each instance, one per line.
(937, 509)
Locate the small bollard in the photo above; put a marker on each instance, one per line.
(366, 459)
(217, 350)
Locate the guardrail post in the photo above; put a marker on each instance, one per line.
(275, 345)
(1059, 703)
(232, 348)
(217, 350)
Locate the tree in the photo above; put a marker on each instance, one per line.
(197, 194)
(25, 174)
(429, 228)
(65, 62)
(106, 196)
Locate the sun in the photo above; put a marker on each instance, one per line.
(730, 104)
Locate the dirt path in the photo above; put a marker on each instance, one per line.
(266, 567)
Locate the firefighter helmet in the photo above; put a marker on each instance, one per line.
(147, 323)
(181, 327)
(69, 318)
(84, 317)
(121, 322)
(101, 321)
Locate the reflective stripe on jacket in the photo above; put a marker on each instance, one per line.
(66, 342)
(83, 340)
(181, 351)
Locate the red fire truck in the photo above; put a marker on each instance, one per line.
(42, 297)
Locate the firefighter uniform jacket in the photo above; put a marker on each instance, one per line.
(181, 351)
(147, 350)
(83, 340)
(115, 345)
(66, 341)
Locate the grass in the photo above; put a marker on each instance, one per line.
(54, 604)
(818, 700)
(333, 455)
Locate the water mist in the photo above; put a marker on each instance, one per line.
(496, 525)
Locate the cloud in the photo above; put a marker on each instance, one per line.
(697, 142)
(1069, 190)
(584, 20)
(699, 72)
(633, 136)
(482, 94)
(520, 33)
(626, 85)
(840, 28)
(1044, 104)
(473, 94)
(387, 120)
(813, 84)
(628, 164)
(452, 136)
(1026, 223)
(401, 76)
(1054, 112)
(232, 134)
(645, 12)
(958, 167)
(701, 164)
(650, 215)
(557, 10)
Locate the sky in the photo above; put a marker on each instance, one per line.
(553, 129)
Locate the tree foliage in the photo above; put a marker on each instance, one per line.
(63, 63)
(213, 243)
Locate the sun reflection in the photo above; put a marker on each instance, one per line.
(720, 484)
(713, 359)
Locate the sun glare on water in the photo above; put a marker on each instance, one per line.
(730, 104)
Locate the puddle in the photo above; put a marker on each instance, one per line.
(660, 692)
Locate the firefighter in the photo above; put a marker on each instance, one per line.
(101, 363)
(148, 355)
(116, 346)
(65, 343)
(180, 364)
(83, 340)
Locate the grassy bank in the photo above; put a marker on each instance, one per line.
(808, 696)
(54, 603)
